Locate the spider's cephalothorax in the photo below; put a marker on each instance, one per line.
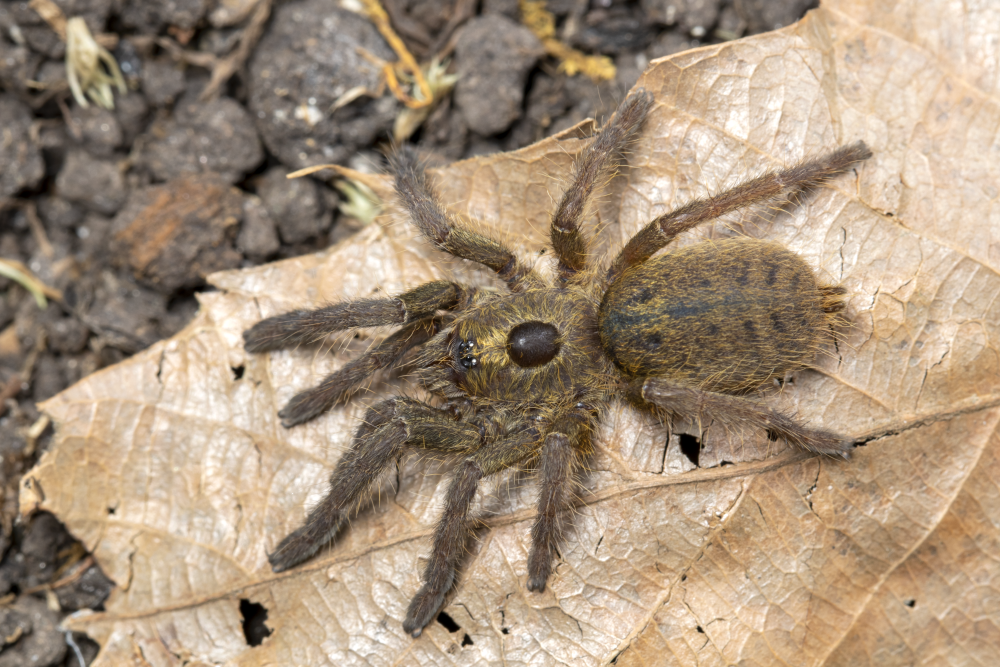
(522, 375)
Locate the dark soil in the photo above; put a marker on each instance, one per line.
(126, 211)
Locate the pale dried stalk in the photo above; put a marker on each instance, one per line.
(90, 68)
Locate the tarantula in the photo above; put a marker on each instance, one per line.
(523, 374)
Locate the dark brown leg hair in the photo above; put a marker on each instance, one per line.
(388, 427)
(665, 228)
(448, 234)
(591, 168)
(735, 411)
(568, 440)
(515, 443)
(450, 538)
(308, 326)
(338, 387)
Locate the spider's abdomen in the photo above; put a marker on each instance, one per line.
(724, 316)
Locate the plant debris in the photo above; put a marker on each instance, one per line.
(90, 69)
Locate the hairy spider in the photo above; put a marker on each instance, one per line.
(524, 374)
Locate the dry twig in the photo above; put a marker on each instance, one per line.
(223, 69)
(540, 21)
(406, 65)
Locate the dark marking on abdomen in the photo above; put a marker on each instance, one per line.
(772, 275)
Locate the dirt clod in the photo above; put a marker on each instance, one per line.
(764, 15)
(216, 136)
(295, 204)
(87, 591)
(19, 155)
(96, 184)
(308, 60)
(31, 634)
(99, 130)
(493, 56)
(162, 81)
(173, 235)
(258, 237)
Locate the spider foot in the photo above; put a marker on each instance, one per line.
(536, 582)
(539, 569)
(424, 606)
(306, 541)
(823, 442)
(306, 405)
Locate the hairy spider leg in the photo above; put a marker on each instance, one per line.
(450, 539)
(590, 169)
(665, 228)
(388, 428)
(297, 327)
(337, 387)
(447, 233)
(415, 309)
(565, 446)
(455, 526)
(679, 399)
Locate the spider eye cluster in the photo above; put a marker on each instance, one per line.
(467, 354)
(534, 343)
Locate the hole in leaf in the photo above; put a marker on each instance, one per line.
(911, 603)
(237, 371)
(254, 615)
(111, 510)
(466, 640)
(448, 622)
(505, 630)
(690, 447)
(699, 629)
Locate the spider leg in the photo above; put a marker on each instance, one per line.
(447, 233)
(450, 538)
(679, 399)
(455, 527)
(665, 228)
(591, 168)
(337, 387)
(308, 326)
(387, 429)
(564, 445)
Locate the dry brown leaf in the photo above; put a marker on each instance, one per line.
(179, 478)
